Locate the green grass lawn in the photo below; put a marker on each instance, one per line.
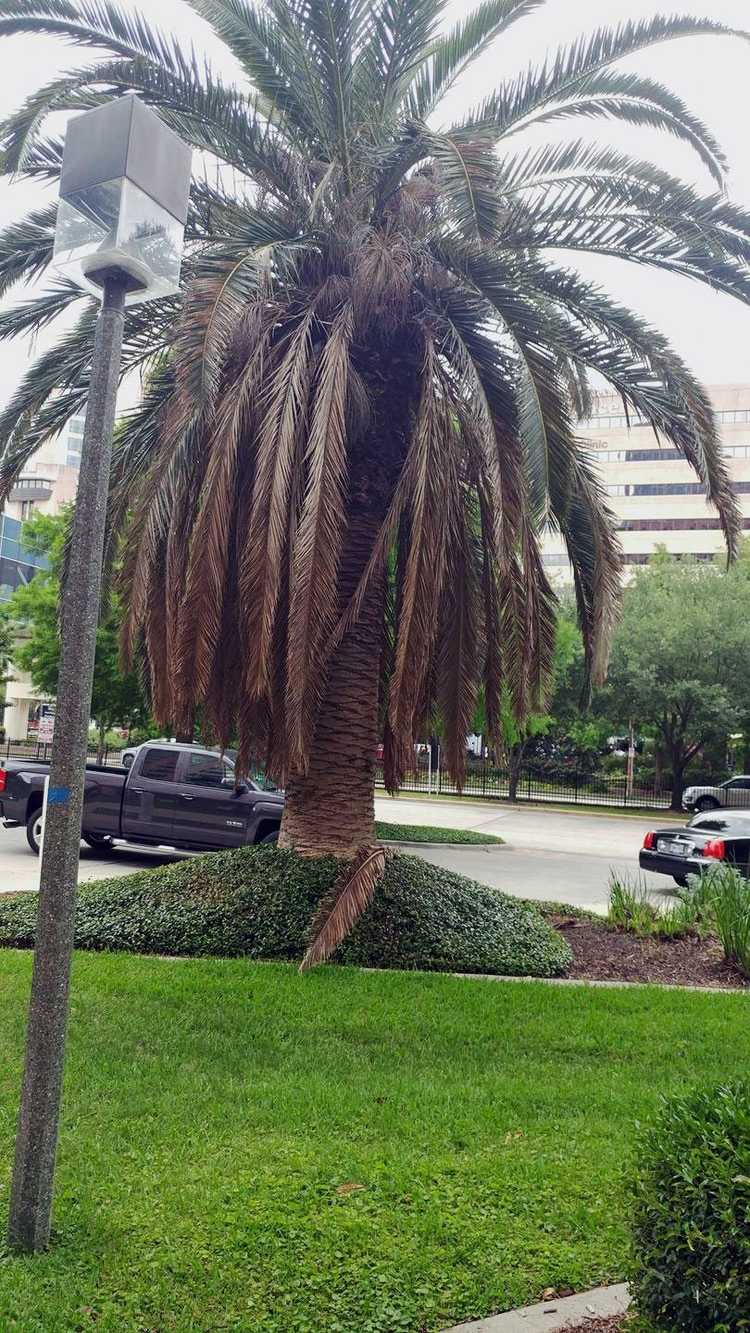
(217, 1113)
(426, 833)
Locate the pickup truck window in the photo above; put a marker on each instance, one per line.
(160, 765)
(208, 770)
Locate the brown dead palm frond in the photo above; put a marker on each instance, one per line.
(313, 599)
(460, 634)
(435, 449)
(266, 545)
(341, 909)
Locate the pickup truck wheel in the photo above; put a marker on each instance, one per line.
(100, 842)
(706, 803)
(270, 837)
(34, 831)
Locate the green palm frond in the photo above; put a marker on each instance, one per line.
(31, 316)
(452, 54)
(271, 64)
(193, 102)
(403, 33)
(90, 23)
(570, 73)
(26, 247)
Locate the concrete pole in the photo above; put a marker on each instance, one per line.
(39, 1116)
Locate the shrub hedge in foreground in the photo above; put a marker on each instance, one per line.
(259, 901)
(692, 1215)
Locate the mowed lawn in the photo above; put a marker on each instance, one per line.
(219, 1114)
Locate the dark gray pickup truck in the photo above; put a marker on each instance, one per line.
(171, 796)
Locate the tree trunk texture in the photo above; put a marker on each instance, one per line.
(678, 784)
(330, 810)
(515, 759)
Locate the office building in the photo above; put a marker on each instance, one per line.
(655, 494)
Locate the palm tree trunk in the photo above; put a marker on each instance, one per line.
(331, 808)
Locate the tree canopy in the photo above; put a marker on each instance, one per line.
(680, 657)
(118, 697)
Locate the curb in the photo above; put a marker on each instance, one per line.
(592, 983)
(554, 1315)
(440, 846)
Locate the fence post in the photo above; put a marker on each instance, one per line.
(437, 783)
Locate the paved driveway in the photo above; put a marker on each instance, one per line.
(549, 854)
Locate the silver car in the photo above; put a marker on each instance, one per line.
(734, 793)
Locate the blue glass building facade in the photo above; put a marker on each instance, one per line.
(17, 565)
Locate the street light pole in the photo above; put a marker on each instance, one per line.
(38, 1121)
(124, 187)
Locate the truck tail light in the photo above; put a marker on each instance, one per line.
(715, 848)
(649, 842)
(3, 778)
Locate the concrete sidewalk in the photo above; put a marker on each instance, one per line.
(555, 1315)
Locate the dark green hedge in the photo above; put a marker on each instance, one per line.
(692, 1215)
(259, 902)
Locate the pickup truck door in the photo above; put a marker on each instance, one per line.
(150, 800)
(210, 813)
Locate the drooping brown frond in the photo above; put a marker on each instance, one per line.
(313, 600)
(457, 675)
(267, 542)
(435, 449)
(341, 909)
(199, 616)
(382, 277)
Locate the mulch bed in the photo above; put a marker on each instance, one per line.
(601, 953)
(611, 1325)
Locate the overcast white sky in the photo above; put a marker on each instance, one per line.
(711, 74)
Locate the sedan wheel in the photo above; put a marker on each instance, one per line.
(707, 803)
(681, 880)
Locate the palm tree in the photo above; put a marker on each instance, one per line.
(361, 414)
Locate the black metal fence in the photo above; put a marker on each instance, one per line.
(31, 750)
(486, 779)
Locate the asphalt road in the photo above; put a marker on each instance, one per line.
(548, 854)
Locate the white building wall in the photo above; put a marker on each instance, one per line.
(683, 523)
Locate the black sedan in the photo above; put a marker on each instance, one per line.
(723, 835)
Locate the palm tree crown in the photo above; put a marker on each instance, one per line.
(361, 413)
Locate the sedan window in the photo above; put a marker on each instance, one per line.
(721, 824)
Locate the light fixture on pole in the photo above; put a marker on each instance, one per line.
(123, 205)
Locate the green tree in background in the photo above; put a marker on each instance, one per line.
(118, 698)
(680, 658)
(517, 733)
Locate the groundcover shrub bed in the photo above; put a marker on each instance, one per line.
(260, 901)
